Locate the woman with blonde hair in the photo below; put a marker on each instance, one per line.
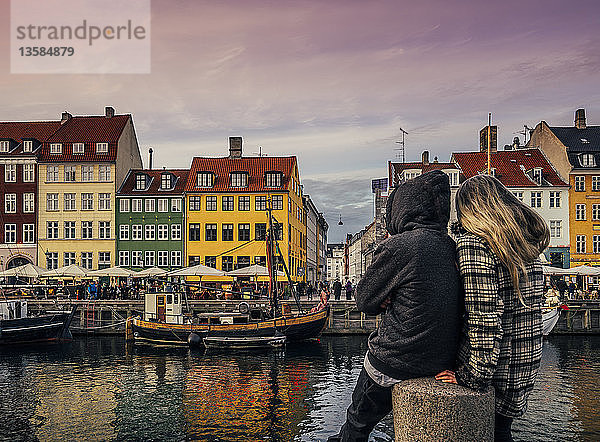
(498, 242)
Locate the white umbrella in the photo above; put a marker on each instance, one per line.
(150, 271)
(549, 270)
(25, 271)
(197, 270)
(253, 270)
(112, 271)
(71, 271)
(586, 270)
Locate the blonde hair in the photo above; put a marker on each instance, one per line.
(516, 233)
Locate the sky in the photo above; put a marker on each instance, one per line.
(332, 82)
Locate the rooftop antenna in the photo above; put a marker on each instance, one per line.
(259, 153)
(400, 150)
(489, 144)
(524, 132)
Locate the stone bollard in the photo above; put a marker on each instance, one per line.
(426, 409)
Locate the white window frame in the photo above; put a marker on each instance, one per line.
(52, 202)
(55, 148)
(176, 232)
(587, 160)
(162, 258)
(124, 205)
(137, 258)
(103, 258)
(68, 258)
(104, 201)
(28, 233)
(579, 183)
(70, 173)
(137, 232)
(596, 183)
(4, 146)
(238, 179)
(70, 201)
(104, 173)
(52, 174)
(69, 230)
(150, 205)
(10, 173)
(27, 146)
(10, 233)
(163, 232)
(204, 179)
(136, 205)
(149, 232)
(596, 243)
(87, 201)
(175, 258)
(51, 229)
(555, 199)
(10, 203)
(166, 178)
(87, 173)
(595, 212)
(87, 229)
(78, 148)
(175, 205)
(124, 232)
(536, 199)
(163, 204)
(101, 147)
(124, 258)
(149, 258)
(104, 229)
(580, 244)
(28, 173)
(87, 260)
(580, 212)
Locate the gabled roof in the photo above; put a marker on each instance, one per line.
(396, 169)
(254, 166)
(580, 140)
(510, 166)
(128, 186)
(20, 130)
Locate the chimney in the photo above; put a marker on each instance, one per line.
(235, 147)
(65, 117)
(516, 143)
(483, 137)
(425, 158)
(109, 111)
(580, 119)
(150, 163)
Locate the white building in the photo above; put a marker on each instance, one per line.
(335, 262)
(311, 239)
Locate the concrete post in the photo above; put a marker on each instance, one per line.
(429, 410)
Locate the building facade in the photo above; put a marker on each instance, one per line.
(322, 228)
(150, 219)
(81, 167)
(335, 262)
(312, 216)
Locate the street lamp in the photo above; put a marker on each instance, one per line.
(340, 223)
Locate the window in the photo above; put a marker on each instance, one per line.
(579, 183)
(52, 229)
(536, 199)
(165, 181)
(176, 232)
(10, 233)
(70, 173)
(104, 201)
(175, 205)
(78, 148)
(150, 205)
(580, 212)
(51, 260)
(51, 201)
(124, 232)
(104, 172)
(273, 179)
(10, 203)
(87, 229)
(87, 201)
(260, 260)
(176, 258)
(205, 179)
(596, 183)
(260, 231)
(101, 147)
(4, 146)
(239, 179)
(68, 258)
(277, 202)
(86, 260)
(149, 258)
(87, 173)
(587, 160)
(28, 173)
(244, 203)
(137, 260)
(52, 174)
(278, 231)
(537, 175)
(10, 173)
(260, 202)
(596, 212)
(210, 261)
(55, 148)
(124, 257)
(27, 146)
(211, 203)
(28, 233)
(227, 263)
(194, 234)
(193, 260)
(228, 203)
(243, 261)
(195, 202)
(580, 244)
(69, 230)
(163, 232)
(140, 181)
(136, 205)
(104, 229)
(243, 232)
(596, 243)
(163, 205)
(163, 258)
(70, 201)
(124, 205)
(211, 232)
(227, 232)
(554, 199)
(103, 259)
(149, 232)
(136, 232)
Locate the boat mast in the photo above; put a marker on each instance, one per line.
(272, 265)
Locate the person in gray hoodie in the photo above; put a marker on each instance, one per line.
(413, 282)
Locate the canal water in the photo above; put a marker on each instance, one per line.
(102, 389)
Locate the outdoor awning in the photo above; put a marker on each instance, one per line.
(24, 271)
(197, 270)
(112, 271)
(150, 271)
(70, 271)
(253, 270)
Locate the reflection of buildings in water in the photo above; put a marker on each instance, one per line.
(246, 397)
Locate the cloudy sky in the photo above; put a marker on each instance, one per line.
(333, 81)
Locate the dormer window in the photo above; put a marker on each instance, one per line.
(78, 148)
(537, 175)
(587, 160)
(239, 179)
(493, 171)
(140, 181)
(56, 148)
(205, 179)
(101, 147)
(166, 181)
(585, 141)
(273, 179)
(27, 146)
(453, 175)
(4, 146)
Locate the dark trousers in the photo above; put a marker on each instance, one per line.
(502, 429)
(370, 404)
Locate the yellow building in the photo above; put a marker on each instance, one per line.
(81, 167)
(226, 217)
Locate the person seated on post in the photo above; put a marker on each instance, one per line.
(413, 283)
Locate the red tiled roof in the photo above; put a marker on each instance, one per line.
(89, 130)
(128, 187)
(507, 164)
(254, 166)
(19, 130)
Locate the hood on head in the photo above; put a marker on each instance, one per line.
(423, 201)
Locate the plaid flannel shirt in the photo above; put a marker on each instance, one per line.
(502, 342)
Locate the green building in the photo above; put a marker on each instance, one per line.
(150, 219)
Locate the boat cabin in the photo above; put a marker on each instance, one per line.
(163, 307)
(13, 309)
